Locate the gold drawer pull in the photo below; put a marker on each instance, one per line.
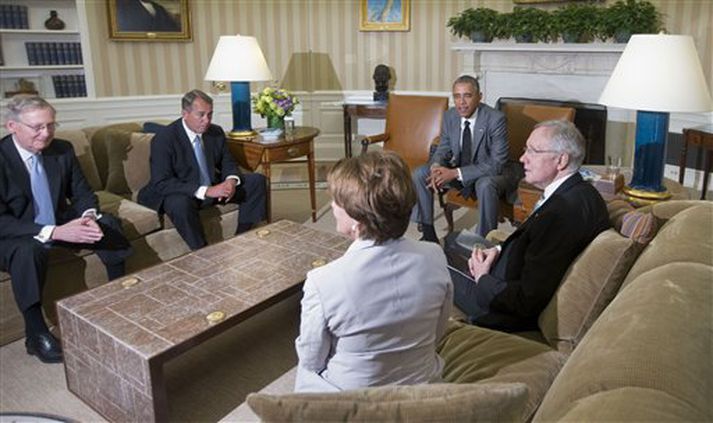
(293, 151)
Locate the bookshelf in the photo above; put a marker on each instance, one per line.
(56, 62)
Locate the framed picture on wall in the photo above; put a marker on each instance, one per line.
(149, 20)
(384, 15)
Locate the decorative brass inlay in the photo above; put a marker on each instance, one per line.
(318, 262)
(263, 233)
(129, 282)
(215, 317)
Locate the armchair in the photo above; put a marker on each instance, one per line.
(521, 119)
(413, 124)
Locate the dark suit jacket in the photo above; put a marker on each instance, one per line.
(70, 191)
(490, 143)
(174, 168)
(536, 256)
(131, 16)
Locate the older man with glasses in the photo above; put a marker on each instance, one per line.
(45, 203)
(506, 287)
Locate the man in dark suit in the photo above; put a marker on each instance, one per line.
(511, 285)
(192, 168)
(144, 16)
(472, 156)
(45, 202)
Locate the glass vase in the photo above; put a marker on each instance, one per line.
(276, 122)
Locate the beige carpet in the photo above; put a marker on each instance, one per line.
(208, 382)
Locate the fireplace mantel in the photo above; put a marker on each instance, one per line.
(553, 71)
(541, 47)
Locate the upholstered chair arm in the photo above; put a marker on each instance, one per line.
(366, 141)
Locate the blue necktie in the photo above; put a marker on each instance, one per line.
(42, 200)
(200, 157)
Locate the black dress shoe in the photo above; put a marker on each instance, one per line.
(45, 346)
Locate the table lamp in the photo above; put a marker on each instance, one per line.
(238, 59)
(656, 74)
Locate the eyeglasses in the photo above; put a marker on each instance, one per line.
(50, 127)
(530, 150)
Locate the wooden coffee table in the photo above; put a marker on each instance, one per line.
(117, 337)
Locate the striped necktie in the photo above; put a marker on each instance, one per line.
(41, 198)
(200, 157)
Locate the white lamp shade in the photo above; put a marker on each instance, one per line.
(658, 73)
(238, 58)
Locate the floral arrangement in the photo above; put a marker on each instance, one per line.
(274, 102)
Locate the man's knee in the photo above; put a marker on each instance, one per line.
(486, 187)
(177, 203)
(25, 252)
(254, 183)
(420, 174)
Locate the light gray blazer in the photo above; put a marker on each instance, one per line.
(374, 317)
(490, 143)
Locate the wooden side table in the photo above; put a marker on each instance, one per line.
(702, 137)
(373, 110)
(256, 152)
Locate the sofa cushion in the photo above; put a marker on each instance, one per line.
(83, 151)
(474, 354)
(136, 220)
(435, 402)
(654, 336)
(686, 237)
(588, 286)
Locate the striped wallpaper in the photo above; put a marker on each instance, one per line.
(316, 45)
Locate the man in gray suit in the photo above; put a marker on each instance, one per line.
(472, 156)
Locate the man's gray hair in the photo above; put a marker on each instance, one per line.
(190, 97)
(24, 102)
(565, 137)
(467, 79)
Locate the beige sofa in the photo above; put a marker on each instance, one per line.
(627, 337)
(115, 161)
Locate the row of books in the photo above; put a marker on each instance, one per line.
(13, 17)
(69, 86)
(54, 53)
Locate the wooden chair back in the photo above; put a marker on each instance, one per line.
(522, 118)
(413, 122)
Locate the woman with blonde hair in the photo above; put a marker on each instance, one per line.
(375, 315)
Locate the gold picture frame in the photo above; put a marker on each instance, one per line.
(384, 15)
(546, 1)
(156, 20)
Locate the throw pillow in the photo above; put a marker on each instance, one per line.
(432, 403)
(617, 208)
(473, 354)
(117, 146)
(136, 167)
(638, 226)
(152, 127)
(589, 285)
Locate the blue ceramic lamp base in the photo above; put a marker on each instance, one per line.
(646, 185)
(240, 98)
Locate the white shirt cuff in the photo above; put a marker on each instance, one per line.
(460, 175)
(45, 234)
(200, 193)
(236, 177)
(92, 213)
